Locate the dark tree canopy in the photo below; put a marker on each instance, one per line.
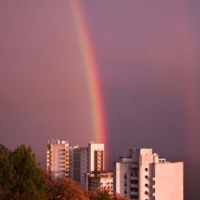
(6, 169)
(21, 178)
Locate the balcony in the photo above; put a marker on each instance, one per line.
(134, 165)
(134, 185)
(61, 164)
(134, 193)
(133, 178)
(61, 156)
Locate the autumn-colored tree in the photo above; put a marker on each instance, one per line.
(91, 194)
(103, 195)
(98, 195)
(64, 189)
(118, 197)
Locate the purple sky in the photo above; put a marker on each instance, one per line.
(148, 58)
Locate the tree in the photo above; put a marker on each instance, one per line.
(22, 178)
(64, 189)
(29, 177)
(118, 197)
(103, 195)
(6, 170)
(98, 195)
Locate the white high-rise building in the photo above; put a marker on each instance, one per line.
(58, 158)
(74, 162)
(87, 159)
(95, 157)
(144, 176)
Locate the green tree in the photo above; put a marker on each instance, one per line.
(20, 175)
(30, 180)
(6, 170)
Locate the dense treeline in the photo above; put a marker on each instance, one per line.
(21, 178)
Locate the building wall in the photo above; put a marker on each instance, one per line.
(93, 159)
(143, 176)
(168, 181)
(125, 178)
(83, 166)
(100, 181)
(71, 161)
(58, 158)
(77, 165)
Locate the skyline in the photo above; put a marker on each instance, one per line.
(147, 64)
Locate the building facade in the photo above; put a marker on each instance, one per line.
(144, 176)
(74, 162)
(58, 158)
(80, 165)
(100, 180)
(71, 161)
(95, 157)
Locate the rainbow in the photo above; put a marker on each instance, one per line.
(90, 69)
(186, 58)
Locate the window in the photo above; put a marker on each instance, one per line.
(146, 192)
(146, 176)
(125, 176)
(131, 174)
(146, 169)
(146, 185)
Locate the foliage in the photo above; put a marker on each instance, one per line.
(118, 197)
(21, 177)
(6, 169)
(103, 195)
(64, 188)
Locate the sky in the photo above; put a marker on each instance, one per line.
(147, 67)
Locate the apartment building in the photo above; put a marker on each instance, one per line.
(87, 159)
(95, 157)
(74, 162)
(100, 180)
(80, 165)
(58, 158)
(144, 176)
